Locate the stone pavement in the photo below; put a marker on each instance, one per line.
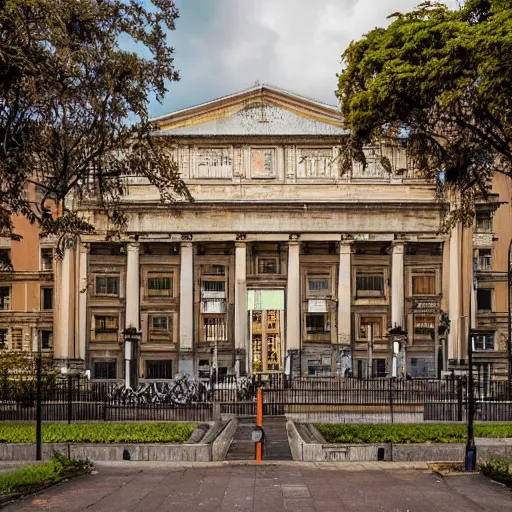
(270, 487)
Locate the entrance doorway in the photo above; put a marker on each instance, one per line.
(266, 320)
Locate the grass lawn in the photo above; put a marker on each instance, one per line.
(97, 432)
(32, 478)
(409, 433)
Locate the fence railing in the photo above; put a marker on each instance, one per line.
(326, 399)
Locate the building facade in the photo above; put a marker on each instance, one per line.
(284, 261)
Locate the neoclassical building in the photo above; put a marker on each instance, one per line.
(283, 261)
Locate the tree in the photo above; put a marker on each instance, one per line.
(438, 81)
(74, 107)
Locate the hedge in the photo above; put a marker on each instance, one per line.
(409, 433)
(97, 432)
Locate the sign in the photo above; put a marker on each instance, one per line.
(317, 306)
(426, 306)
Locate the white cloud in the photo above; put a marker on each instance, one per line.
(294, 44)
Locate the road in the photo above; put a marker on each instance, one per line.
(297, 487)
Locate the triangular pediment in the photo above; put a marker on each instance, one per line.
(261, 110)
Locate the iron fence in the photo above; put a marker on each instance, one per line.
(318, 399)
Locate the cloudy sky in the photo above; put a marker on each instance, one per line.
(223, 46)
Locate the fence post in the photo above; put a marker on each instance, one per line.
(459, 399)
(38, 408)
(70, 399)
(391, 398)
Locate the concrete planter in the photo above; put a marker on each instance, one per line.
(425, 452)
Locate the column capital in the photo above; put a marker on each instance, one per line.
(241, 244)
(346, 246)
(186, 244)
(85, 248)
(398, 246)
(133, 246)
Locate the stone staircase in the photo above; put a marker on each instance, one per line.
(276, 446)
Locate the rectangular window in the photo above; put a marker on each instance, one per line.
(214, 306)
(104, 370)
(364, 327)
(424, 284)
(107, 285)
(46, 339)
(424, 325)
(204, 369)
(422, 367)
(5, 297)
(47, 259)
(483, 222)
(318, 286)
(362, 368)
(484, 341)
(379, 368)
(316, 368)
(268, 265)
(317, 323)
(160, 323)
(262, 163)
(106, 324)
(17, 339)
(213, 289)
(46, 298)
(484, 299)
(159, 285)
(484, 259)
(213, 270)
(214, 329)
(3, 339)
(369, 285)
(5, 260)
(159, 369)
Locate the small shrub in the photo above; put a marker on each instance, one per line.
(38, 476)
(497, 468)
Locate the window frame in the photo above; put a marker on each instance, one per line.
(327, 328)
(261, 259)
(422, 275)
(107, 276)
(484, 336)
(482, 264)
(153, 275)
(9, 299)
(423, 335)
(319, 277)
(157, 361)
(43, 260)
(41, 338)
(381, 320)
(104, 361)
(224, 329)
(491, 300)
(43, 289)
(486, 217)
(360, 273)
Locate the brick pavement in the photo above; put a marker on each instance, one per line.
(298, 487)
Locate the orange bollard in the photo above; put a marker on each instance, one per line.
(259, 422)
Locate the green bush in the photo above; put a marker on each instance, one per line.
(409, 433)
(97, 432)
(497, 468)
(37, 476)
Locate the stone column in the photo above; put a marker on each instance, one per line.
(241, 346)
(83, 292)
(64, 319)
(186, 363)
(293, 298)
(454, 304)
(132, 313)
(397, 286)
(345, 294)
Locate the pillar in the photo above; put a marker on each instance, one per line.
(344, 295)
(64, 319)
(132, 313)
(293, 298)
(397, 286)
(186, 362)
(82, 299)
(241, 348)
(454, 304)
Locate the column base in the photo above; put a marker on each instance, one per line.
(240, 365)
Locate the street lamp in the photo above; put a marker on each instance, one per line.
(131, 341)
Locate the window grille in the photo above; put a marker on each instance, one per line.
(159, 369)
(214, 329)
(104, 370)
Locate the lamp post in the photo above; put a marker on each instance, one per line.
(38, 402)
(470, 457)
(131, 341)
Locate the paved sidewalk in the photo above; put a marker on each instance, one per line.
(297, 487)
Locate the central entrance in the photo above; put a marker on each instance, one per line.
(266, 320)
